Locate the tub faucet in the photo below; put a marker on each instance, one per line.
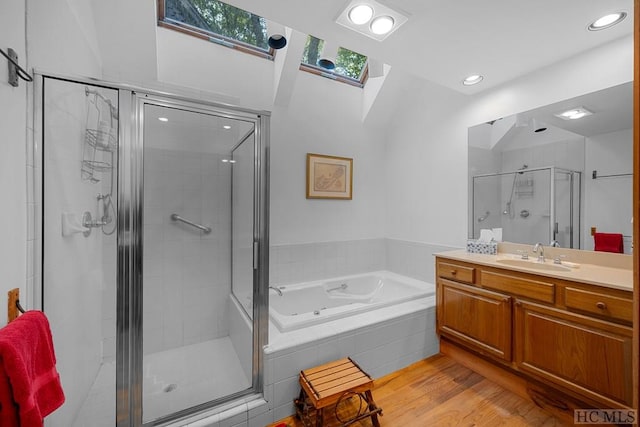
(276, 289)
(540, 250)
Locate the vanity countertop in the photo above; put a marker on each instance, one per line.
(594, 274)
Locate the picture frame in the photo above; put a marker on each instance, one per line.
(329, 177)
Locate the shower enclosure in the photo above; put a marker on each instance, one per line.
(529, 204)
(153, 251)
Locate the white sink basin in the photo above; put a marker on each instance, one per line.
(533, 264)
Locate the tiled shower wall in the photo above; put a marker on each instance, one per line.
(187, 272)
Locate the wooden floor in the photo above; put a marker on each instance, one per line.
(440, 392)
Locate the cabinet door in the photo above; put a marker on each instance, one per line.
(589, 356)
(476, 317)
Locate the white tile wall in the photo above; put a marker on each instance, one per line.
(186, 272)
(319, 260)
(413, 259)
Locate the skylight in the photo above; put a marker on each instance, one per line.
(350, 66)
(218, 22)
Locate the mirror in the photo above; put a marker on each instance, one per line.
(542, 176)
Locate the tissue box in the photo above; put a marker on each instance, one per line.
(476, 247)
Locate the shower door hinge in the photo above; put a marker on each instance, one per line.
(255, 255)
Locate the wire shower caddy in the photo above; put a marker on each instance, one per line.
(100, 136)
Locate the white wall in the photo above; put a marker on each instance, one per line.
(13, 177)
(608, 206)
(324, 117)
(223, 73)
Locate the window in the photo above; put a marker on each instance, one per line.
(218, 22)
(351, 67)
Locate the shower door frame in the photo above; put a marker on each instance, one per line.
(130, 244)
(552, 208)
(130, 252)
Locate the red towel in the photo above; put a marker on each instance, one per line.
(608, 242)
(30, 386)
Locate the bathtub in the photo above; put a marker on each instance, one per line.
(310, 303)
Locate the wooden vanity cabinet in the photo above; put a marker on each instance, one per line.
(589, 356)
(572, 337)
(477, 318)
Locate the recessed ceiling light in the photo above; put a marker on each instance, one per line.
(163, 119)
(227, 127)
(382, 25)
(607, 21)
(371, 18)
(225, 160)
(472, 80)
(574, 113)
(361, 14)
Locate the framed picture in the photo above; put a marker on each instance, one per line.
(329, 177)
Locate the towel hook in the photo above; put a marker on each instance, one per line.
(14, 308)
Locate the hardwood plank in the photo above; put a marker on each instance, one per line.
(441, 392)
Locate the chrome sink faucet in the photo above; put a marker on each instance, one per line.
(540, 250)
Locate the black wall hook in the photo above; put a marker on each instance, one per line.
(15, 70)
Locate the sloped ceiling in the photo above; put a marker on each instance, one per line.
(445, 41)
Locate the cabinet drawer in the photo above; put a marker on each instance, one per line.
(527, 288)
(456, 272)
(599, 303)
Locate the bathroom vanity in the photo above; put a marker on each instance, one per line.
(560, 335)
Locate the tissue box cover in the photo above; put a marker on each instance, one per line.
(475, 247)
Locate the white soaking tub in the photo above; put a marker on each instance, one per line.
(310, 303)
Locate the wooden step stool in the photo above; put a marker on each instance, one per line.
(328, 385)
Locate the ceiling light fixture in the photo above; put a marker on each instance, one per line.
(538, 126)
(371, 18)
(361, 14)
(327, 63)
(277, 41)
(227, 127)
(382, 25)
(574, 113)
(472, 80)
(607, 21)
(163, 119)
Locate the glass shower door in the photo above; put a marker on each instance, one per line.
(567, 208)
(197, 347)
(78, 248)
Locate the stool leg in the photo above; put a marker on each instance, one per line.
(372, 407)
(319, 417)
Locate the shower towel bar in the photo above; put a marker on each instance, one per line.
(594, 175)
(204, 228)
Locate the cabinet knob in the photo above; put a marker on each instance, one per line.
(454, 272)
(601, 305)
